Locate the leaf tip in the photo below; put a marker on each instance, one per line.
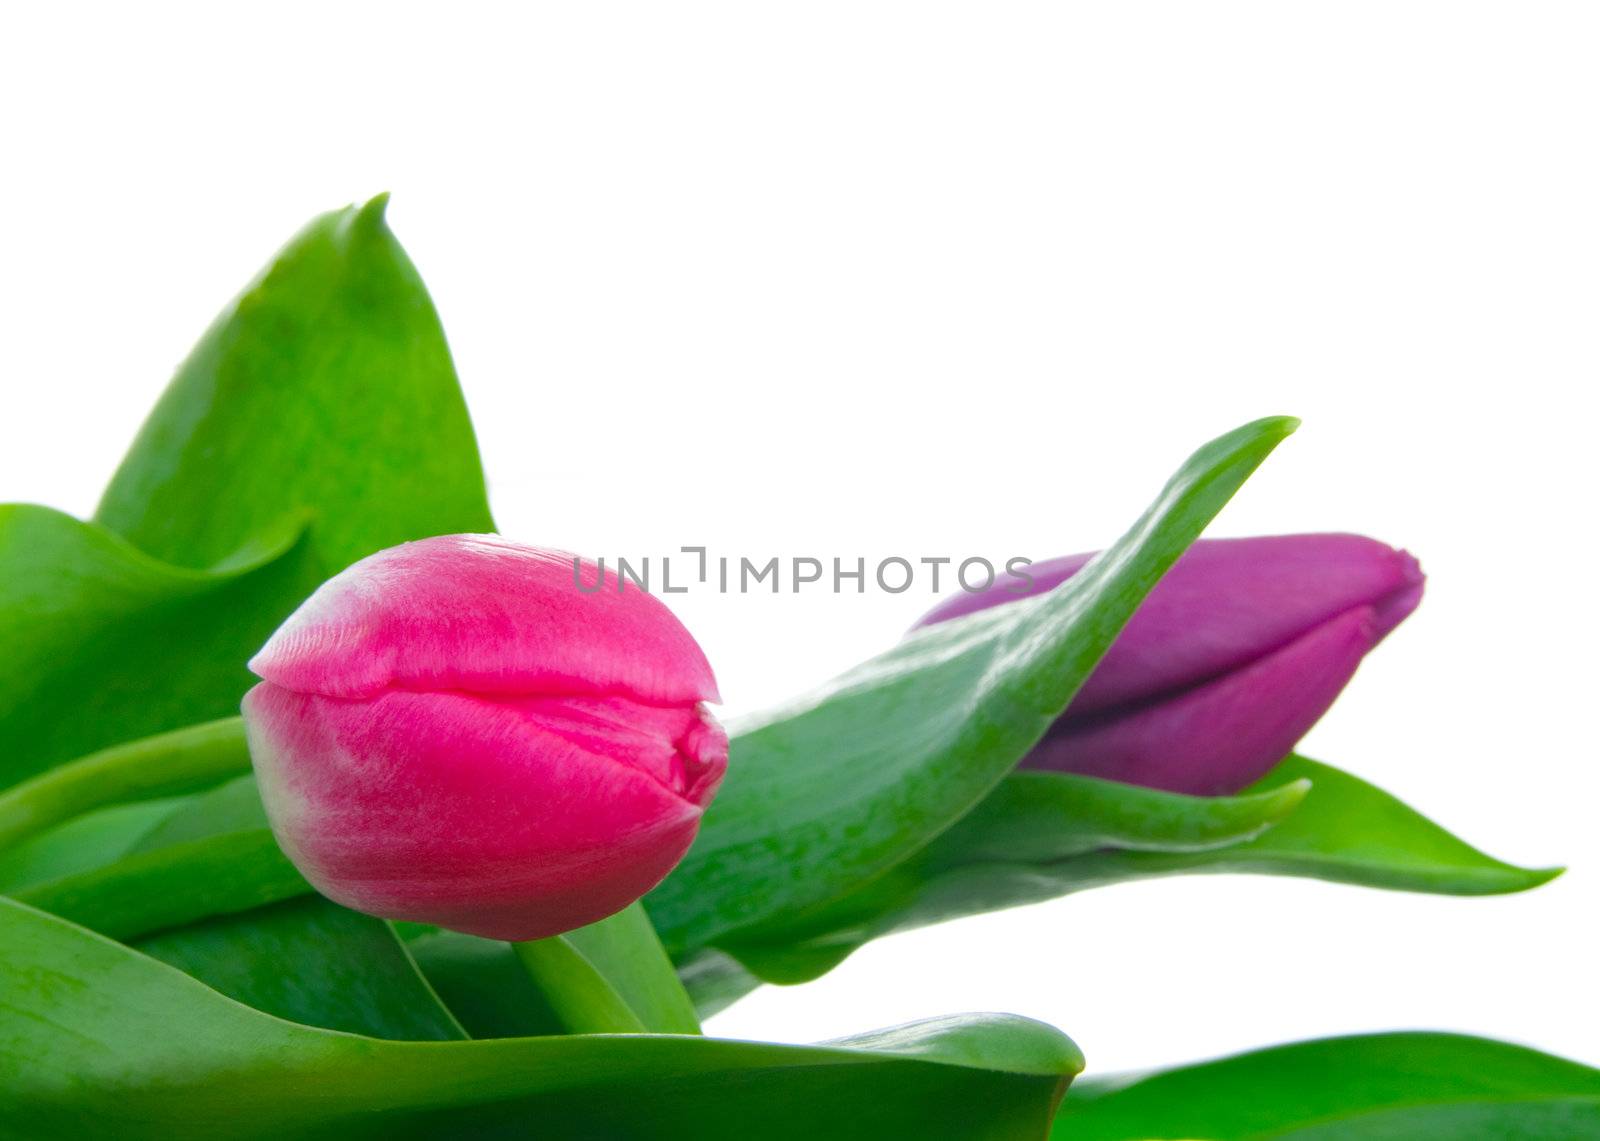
(1275, 428)
(1538, 877)
(373, 211)
(1285, 799)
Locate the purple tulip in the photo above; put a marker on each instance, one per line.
(1232, 658)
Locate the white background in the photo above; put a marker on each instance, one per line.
(867, 279)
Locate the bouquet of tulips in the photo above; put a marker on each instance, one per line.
(328, 812)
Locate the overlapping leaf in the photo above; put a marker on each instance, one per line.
(99, 1040)
(1043, 835)
(312, 962)
(104, 643)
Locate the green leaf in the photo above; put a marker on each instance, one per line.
(484, 985)
(90, 841)
(835, 789)
(1045, 835)
(1351, 832)
(306, 959)
(1400, 1086)
(625, 950)
(326, 386)
(317, 421)
(181, 761)
(584, 1000)
(488, 985)
(715, 981)
(232, 807)
(1039, 835)
(173, 886)
(98, 1040)
(314, 962)
(87, 620)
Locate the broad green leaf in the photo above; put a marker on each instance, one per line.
(99, 1040)
(835, 789)
(1364, 1088)
(314, 962)
(318, 420)
(325, 386)
(104, 643)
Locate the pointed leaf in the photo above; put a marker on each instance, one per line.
(1349, 831)
(837, 788)
(326, 386)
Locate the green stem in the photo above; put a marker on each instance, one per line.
(184, 760)
(612, 977)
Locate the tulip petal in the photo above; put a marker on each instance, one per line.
(509, 818)
(1224, 604)
(1221, 735)
(478, 613)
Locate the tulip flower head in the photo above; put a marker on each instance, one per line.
(449, 731)
(1232, 658)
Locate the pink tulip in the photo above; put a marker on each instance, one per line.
(451, 732)
(1233, 657)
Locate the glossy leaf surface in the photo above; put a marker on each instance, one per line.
(105, 643)
(326, 387)
(99, 1040)
(314, 962)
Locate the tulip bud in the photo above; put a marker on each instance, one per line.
(451, 732)
(1230, 660)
